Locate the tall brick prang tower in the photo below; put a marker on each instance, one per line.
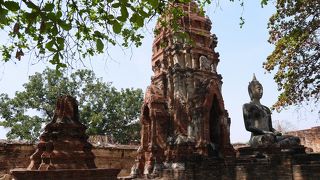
(183, 113)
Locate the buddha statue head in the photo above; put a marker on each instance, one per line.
(255, 89)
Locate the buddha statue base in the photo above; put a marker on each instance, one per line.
(268, 150)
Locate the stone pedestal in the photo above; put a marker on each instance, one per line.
(270, 150)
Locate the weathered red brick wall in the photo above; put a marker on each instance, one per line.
(298, 167)
(16, 155)
(309, 137)
(120, 157)
(278, 166)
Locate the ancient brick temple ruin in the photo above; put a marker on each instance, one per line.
(63, 151)
(185, 126)
(63, 145)
(183, 112)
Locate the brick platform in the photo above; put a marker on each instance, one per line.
(66, 174)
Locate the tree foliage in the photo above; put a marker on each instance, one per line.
(103, 109)
(295, 31)
(62, 31)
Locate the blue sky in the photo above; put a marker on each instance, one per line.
(242, 52)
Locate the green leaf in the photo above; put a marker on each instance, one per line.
(116, 5)
(61, 65)
(48, 7)
(55, 59)
(154, 3)
(52, 16)
(11, 5)
(59, 14)
(264, 3)
(143, 13)
(94, 2)
(31, 5)
(3, 13)
(65, 26)
(138, 20)
(60, 42)
(54, 30)
(31, 16)
(116, 27)
(97, 34)
(100, 45)
(122, 19)
(49, 46)
(124, 12)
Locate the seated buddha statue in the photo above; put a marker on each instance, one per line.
(257, 120)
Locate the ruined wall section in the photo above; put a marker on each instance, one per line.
(14, 155)
(277, 166)
(17, 155)
(309, 137)
(297, 167)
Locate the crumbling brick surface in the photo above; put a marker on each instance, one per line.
(303, 166)
(16, 154)
(183, 112)
(309, 137)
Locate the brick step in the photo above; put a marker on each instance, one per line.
(313, 158)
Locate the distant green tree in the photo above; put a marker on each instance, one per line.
(295, 32)
(103, 109)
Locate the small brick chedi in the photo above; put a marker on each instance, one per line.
(63, 144)
(183, 113)
(63, 151)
